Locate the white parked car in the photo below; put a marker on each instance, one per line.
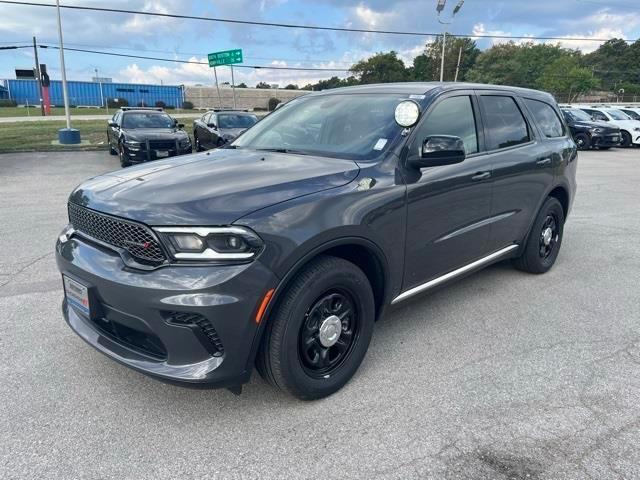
(633, 112)
(629, 128)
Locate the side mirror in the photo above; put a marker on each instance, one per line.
(180, 125)
(438, 150)
(113, 124)
(212, 125)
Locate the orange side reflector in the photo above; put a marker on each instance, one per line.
(263, 305)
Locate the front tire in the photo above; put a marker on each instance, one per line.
(545, 239)
(320, 330)
(112, 151)
(582, 141)
(626, 139)
(124, 160)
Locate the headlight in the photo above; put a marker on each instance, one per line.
(595, 130)
(133, 144)
(211, 243)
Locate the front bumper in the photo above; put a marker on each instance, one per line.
(133, 312)
(606, 140)
(147, 153)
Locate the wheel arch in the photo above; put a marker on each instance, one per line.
(364, 253)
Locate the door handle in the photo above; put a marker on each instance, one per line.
(544, 162)
(481, 176)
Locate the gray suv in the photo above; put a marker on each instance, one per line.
(283, 248)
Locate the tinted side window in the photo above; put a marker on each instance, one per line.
(452, 116)
(504, 121)
(546, 117)
(599, 116)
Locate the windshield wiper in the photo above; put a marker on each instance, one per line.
(282, 150)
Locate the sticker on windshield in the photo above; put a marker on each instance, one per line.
(380, 144)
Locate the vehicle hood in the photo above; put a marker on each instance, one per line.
(628, 125)
(211, 188)
(604, 126)
(144, 134)
(231, 133)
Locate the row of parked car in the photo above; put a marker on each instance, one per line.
(603, 126)
(138, 134)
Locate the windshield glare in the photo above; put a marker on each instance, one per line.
(354, 126)
(236, 121)
(618, 115)
(577, 114)
(147, 120)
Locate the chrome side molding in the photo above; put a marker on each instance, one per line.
(455, 273)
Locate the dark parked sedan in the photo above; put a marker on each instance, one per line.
(140, 135)
(588, 133)
(283, 248)
(217, 128)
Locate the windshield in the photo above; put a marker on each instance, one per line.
(236, 121)
(577, 115)
(633, 114)
(355, 126)
(147, 120)
(618, 115)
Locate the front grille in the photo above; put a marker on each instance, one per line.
(135, 238)
(198, 321)
(162, 145)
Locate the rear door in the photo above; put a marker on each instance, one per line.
(447, 206)
(523, 166)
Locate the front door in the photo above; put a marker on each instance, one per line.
(447, 206)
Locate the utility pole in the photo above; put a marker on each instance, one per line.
(35, 53)
(215, 73)
(233, 88)
(68, 135)
(458, 65)
(99, 80)
(439, 8)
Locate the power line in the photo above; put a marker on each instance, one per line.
(160, 59)
(291, 25)
(197, 54)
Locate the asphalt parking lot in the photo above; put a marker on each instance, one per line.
(503, 375)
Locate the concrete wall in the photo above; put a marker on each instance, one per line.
(246, 98)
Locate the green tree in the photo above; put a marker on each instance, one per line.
(291, 86)
(426, 66)
(381, 68)
(520, 65)
(566, 79)
(263, 85)
(241, 85)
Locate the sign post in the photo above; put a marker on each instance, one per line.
(226, 57)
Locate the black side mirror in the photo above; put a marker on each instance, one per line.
(180, 125)
(438, 150)
(211, 125)
(113, 124)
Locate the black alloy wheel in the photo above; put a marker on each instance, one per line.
(582, 141)
(112, 151)
(328, 333)
(545, 238)
(319, 330)
(548, 235)
(626, 139)
(196, 140)
(124, 161)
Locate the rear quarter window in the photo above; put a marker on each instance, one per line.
(546, 118)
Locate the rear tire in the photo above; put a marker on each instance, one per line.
(320, 330)
(545, 239)
(196, 142)
(583, 141)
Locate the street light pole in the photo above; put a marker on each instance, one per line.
(66, 135)
(99, 80)
(439, 8)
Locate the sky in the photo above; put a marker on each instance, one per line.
(192, 39)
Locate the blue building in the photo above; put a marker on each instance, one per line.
(94, 94)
